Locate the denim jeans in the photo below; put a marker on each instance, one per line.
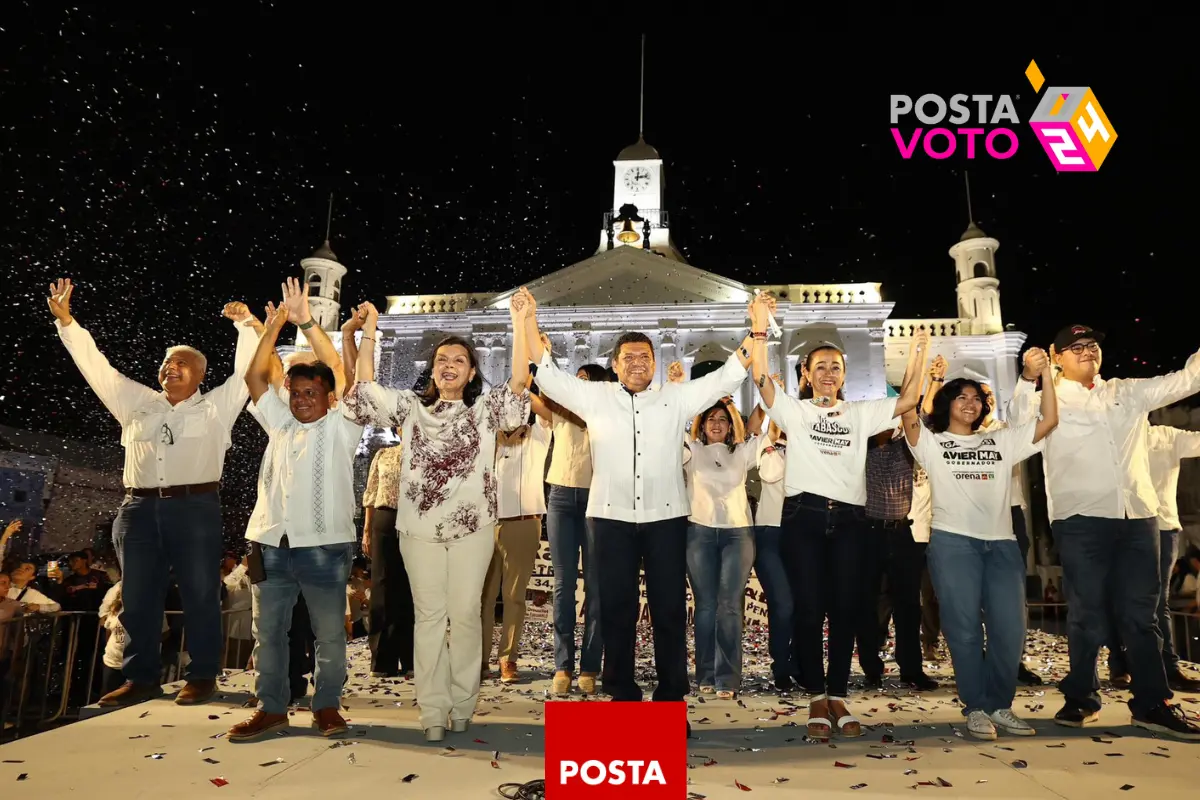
(320, 574)
(571, 533)
(980, 585)
(156, 537)
(1117, 662)
(768, 566)
(660, 549)
(821, 543)
(718, 565)
(1112, 563)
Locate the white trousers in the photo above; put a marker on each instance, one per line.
(447, 584)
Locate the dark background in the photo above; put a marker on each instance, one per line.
(174, 163)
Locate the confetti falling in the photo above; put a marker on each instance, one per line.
(145, 174)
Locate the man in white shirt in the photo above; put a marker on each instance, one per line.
(637, 499)
(170, 521)
(1167, 446)
(1103, 510)
(302, 530)
(521, 504)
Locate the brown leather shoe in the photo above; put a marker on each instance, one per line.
(508, 672)
(196, 692)
(329, 722)
(257, 726)
(130, 693)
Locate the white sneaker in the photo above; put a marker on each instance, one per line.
(980, 725)
(1009, 722)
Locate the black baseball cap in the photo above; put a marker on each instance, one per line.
(1073, 333)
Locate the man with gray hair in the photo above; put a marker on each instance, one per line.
(170, 520)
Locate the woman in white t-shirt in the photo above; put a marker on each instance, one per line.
(824, 516)
(720, 543)
(974, 560)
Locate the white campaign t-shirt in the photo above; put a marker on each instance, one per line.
(971, 478)
(826, 452)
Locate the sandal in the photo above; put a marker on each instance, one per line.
(848, 725)
(707, 689)
(819, 727)
(726, 694)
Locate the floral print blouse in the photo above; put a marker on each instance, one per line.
(447, 476)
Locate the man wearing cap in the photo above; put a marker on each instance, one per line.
(1103, 510)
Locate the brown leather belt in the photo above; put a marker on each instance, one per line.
(520, 519)
(174, 491)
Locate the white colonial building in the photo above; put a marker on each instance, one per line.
(639, 280)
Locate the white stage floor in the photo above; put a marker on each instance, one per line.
(757, 742)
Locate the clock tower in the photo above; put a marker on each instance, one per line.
(638, 180)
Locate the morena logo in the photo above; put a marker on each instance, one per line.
(616, 750)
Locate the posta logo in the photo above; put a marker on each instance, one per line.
(1069, 122)
(631, 751)
(1071, 125)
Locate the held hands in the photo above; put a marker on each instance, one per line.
(1036, 363)
(760, 310)
(521, 306)
(235, 311)
(370, 317)
(675, 372)
(937, 370)
(295, 301)
(60, 300)
(358, 318)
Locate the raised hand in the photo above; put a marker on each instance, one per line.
(938, 369)
(370, 316)
(357, 318)
(13, 527)
(517, 307)
(675, 372)
(1036, 362)
(921, 342)
(235, 311)
(295, 300)
(276, 317)
(60, 300)
(530, 303)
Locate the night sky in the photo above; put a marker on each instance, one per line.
(170, 165)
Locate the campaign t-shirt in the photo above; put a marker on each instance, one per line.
(971, 478)
(827, 445)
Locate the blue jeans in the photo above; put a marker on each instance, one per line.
(768, 566)
(570, 532)
(718, 565)
(980, 583)
(1117, 663)
(157, 538)
(320, 573)
(1112, 564)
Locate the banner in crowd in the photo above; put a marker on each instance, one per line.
(540, 594)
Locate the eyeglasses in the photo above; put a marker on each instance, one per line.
(1080, 349)
(167, 436)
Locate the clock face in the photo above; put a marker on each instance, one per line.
(637, 179)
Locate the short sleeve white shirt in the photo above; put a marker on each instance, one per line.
(827, 446)
(970, 478)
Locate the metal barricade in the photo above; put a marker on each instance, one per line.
(49, 666)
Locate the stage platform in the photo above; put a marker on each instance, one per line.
(161, 750)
